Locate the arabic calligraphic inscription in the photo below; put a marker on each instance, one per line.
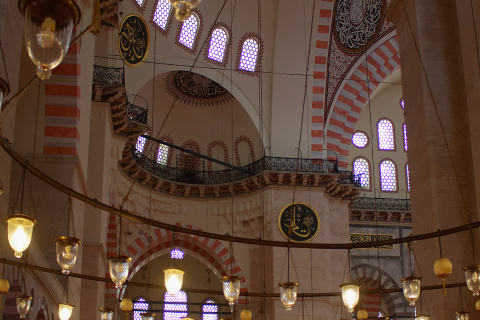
(133, 40)
(298, 222)
(357, 23)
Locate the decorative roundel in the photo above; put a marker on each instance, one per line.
(133, 40)
(360, 139)
(357, 23)
(298, 222)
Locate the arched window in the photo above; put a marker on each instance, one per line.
(407, 176)
(140, 305)
(140, 144)
(405, 145)
(189, 31)
(361, 171)
(388, 176)
(249, 55)
(162, 155)
(386, 138)
(360, 139)
(176, 310)
(210, 310)
(218, 44)
(162, 13)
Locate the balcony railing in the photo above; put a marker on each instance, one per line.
(108, 76)
(271, 164)
(380, 204)
(137, 114)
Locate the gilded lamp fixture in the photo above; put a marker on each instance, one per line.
(126, 305)
(47, 31)
(20, 229)
(23, 305)
(472, 277)
(411, 288)
(4, 90)
(183, 8)
(106, 313)
(67, 251)
(350, 291)
(288, 290)
(231, 289)
(65, 311)
(119, 266)
(462, 315)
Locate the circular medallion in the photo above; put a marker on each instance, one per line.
(133, 40)
(357, 23)
(298, 222)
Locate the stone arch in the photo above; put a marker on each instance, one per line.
(188, 161)
(243, 138)
(211, 252)
(353, 95)
(370, 276)
(221, 144)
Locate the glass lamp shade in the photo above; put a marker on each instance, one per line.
(350, 295)
(362, 314)
(147, 315)
(411, 289)
(126, 305)
(119, 266)
(20, 229)
(67, 251)
(4, 286)
(173, 279)
(65, 311)
(477, 305)
(443, 268)
(47, 31)
(246, 315)
(107, 313)
(4, 90)
(23, 305)
(462, 315)
(422, 317)
(183, 8)
(231, 289)
(472, 276)
(288, 294)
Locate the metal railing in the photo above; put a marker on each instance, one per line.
(108, 76)
(137, 114)
(382, 204)
(272, 164)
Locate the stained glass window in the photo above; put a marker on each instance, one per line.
(140, 144)
(360, 139)
(139, 306)
(162, 13)
(385, 135)
(177, 310)
(189, 31)
(388, 176)
(405, 145)
(162, 155)
(407, 176)
(210, 310)
(361, 171)
(176, 254)
(218, 44)
(249, 55)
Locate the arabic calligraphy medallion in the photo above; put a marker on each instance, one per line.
(133, 40)
(298, 222)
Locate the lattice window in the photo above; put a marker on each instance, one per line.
(176, 254)
(189, 31)
(407, 176)
(405, 145)
(210, 310)
(162, 13)
(386, 140)
(249, 55)
(361, 171)
(162, 155)
(139, 306)
(140, 144)
(218, 44)
(177, 310)
(360, 139)
(388, 176)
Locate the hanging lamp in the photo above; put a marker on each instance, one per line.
(288, 290)
(472, 277)
(442, 267)
(231, 289)
(23, 305)
(411, 289)
(477, 305)
(183, 8)
(47, 30)
(106, 313)
(4, 90)
(173, 275)
(246, 314)
(65, 309)
(126, 305)
(4, 286)
(147, 315)
(350, 291)
(362, 314)
(119, 265)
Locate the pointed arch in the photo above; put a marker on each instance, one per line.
(221, 144)
(250, 147)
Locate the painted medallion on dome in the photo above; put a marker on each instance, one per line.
(357, 23)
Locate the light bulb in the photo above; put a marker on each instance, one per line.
(65, 311)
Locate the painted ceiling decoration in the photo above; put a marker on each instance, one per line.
(356, 26)
(194, 89)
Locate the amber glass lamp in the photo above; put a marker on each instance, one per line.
(477, 305)
(67, 251)
(4, 286)
(119, 266)
(443, 268)
(47, 30)
(20, 229)
(173, 279)
(23, 305)
(106, 313)
(4, 90)
(126, 305)
(246, 315)
(362, 314)
(231, 289)
(183, 8)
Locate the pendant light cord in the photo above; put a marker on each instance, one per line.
(4, 61)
